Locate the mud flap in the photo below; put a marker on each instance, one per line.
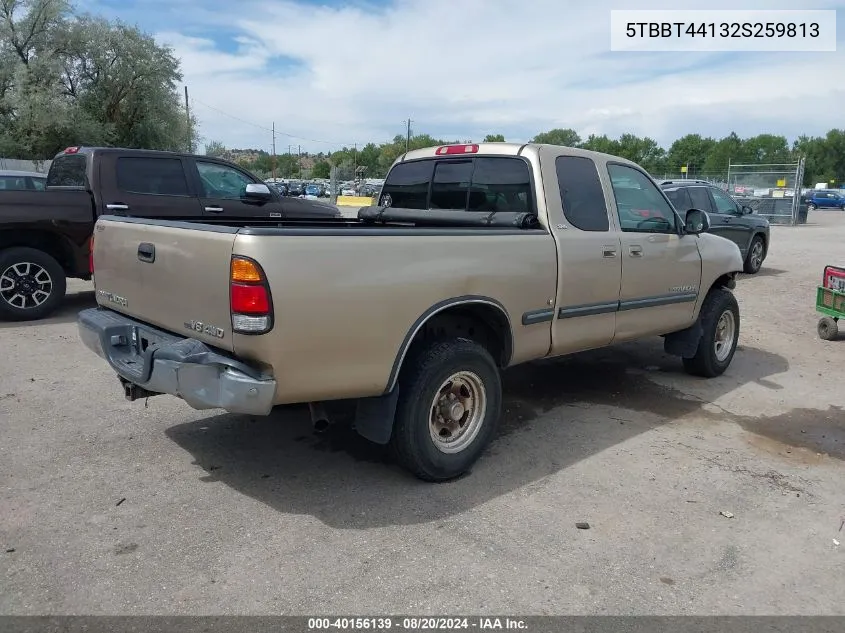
(684, 343)
(374, 417)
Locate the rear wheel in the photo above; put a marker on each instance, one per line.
(720, 324)
(32, 284)
(828, 328)
(811, 207)
(450, 401)
(756, 254)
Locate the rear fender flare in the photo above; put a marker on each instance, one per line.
(433, 311)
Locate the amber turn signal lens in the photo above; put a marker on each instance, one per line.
(245, 270)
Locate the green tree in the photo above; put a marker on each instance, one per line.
(643, 151)
(494, 138)
(215, 149)
(559, 136)
(322, 169)
(601, 144)
(691, 151)
(68, 80)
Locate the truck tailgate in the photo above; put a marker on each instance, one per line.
(169, 274)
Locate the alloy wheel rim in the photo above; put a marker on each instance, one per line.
(25, 285)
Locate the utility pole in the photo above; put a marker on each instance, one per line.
(408, 136)
(188, 120)
(299, 150)
(274, 151)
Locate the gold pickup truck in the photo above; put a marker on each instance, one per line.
(477, 258)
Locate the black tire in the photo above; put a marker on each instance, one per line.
(412, 443)
(811, 207)
(828, 329)
(706, 363)
(29, 305)
(752, 264)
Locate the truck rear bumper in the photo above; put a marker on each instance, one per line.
(160, 362)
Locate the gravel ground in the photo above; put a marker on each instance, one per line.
(110, 507)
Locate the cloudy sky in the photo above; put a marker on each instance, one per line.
(336, 72)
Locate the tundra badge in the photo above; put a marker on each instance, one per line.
(203, 328)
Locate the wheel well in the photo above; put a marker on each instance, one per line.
(481, 322)
(50, 243)
(762, 236)
(728, 280)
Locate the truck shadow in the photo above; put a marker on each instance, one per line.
(557, 413)
(73, 304)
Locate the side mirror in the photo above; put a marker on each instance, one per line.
(258, 191)
(696, 222)
(746, 210)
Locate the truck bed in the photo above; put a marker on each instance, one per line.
(346, 296)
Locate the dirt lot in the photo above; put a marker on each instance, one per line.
(115, 507)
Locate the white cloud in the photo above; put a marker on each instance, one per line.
(463, 68)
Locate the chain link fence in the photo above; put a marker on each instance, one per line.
(13, 164)
(772, 190)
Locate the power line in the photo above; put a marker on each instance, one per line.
(266, 129)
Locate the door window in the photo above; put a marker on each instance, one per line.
(152, 176)
(581, 193)
(679, 198)
(724, 203)
(639, 203)
(221, 181)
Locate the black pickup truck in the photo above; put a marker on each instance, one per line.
(45, 236)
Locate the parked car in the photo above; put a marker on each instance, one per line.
(313, 190)
(45, 235)
(11, 180)
(728, 218)
(296, 188)
(484, 256)
(825, 199)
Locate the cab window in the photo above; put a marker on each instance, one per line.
(221, 181)
(483, 184)
(639, 203)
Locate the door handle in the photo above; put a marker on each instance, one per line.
(727, 220)
(635, 250)
(117, 207)
(214, 209)
(608, 251)
(147, 252)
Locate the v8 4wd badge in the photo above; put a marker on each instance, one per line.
(204, 328)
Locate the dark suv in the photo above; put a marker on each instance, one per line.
(728, 218)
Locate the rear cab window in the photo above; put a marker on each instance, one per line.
(68, 170)
(479, 184)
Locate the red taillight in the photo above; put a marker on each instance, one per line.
(250, 299)
(456, 149)
(72, 150)
(91, 255)
(250, 302)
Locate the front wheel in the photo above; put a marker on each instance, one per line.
(828, 329)
(720, 324)
(450, 401)
(811, 207)
(756, 254)
(32, 284)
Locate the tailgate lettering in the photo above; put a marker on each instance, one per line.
(204, 328)
(112, 298)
